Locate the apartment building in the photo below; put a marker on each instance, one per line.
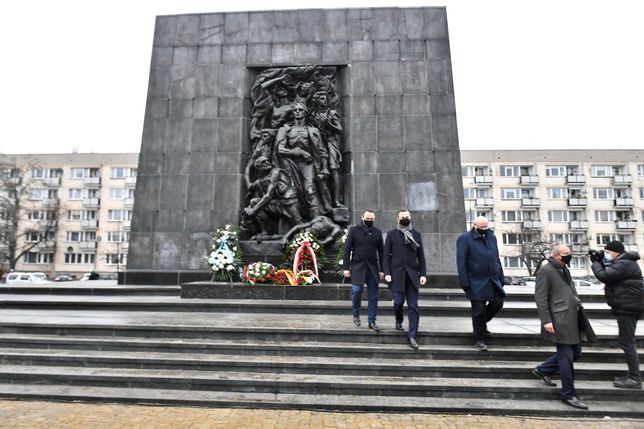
(584, 198)
(77, 208)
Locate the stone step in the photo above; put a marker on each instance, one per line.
(417, 366)
(88, 289)
(297, 348)
(310, 383)
(550, 407)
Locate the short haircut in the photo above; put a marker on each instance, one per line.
(556, 248)
(402, 211)
(368, 211)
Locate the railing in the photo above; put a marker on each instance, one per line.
(577, 202)
(91, 202)
(573, 179)
(484, 180)
(87, 245)
(130, 181)
(129, 202)
(622, 180)
(126, 224)
(532, 224)
(89, 224)
(529, 180)
(624, 202)
(484, 202)
(51, 181)
(579, 224)
(92, 181)
(626, 224)
(531, 202)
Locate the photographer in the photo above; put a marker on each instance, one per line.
(625, 295)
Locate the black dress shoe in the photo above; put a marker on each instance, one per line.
(628, 383)
(413, 344)
(399, 327)
(575, 402)
(480, 346)
(373, 326)
(356, 320)
(546, 379)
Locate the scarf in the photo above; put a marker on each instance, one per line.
(409, 239)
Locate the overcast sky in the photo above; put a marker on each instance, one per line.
(527, 74)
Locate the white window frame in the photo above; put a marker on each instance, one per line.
(610, 216)
(558, 193)
(603, 193)
(561, 170)
(553, 216)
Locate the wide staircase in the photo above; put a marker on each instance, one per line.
(145, 344)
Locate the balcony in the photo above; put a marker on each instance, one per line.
(577, 202)
(530, 202)
(532, 224)
(50, 202)
(91, 202)
(626, 225)
(46, 246)
(622, 180)
(624, 202)
(484, 202)
(126, 224)
(631, 247)
(92, 182)
(484, 180)
(51, 181)
(579, 248)
(130, 182)
(529, 180)
(87, 246)
(89, 224)
(575, 179)
(128, 202)
(579, 225)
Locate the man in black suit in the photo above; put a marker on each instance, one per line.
(405, 269)
(363, 264)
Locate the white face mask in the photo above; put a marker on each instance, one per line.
(608, 257)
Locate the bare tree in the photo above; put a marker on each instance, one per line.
(534, 247)
(17, 238)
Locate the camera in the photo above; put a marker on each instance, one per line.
(598, 253)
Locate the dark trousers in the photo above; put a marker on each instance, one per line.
(626, 324)
(372, 293)
(483, 312)
(411, 294)
(562, 362)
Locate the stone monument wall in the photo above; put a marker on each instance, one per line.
(400, 143)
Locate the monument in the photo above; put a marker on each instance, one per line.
(270, 120)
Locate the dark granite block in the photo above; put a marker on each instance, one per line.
(231, 107)
(451, 186)
(209, 54)
(442, 105)
(387, 24)
(167, 250)
(182, 81)
(228, 194)
(365, 162)
(228, 162)
(159, 85)
(362, 105)
(437, 49)
(201, 191)
(283, 53)
(149, 277)
(165, 30)
(413, 22)
(308, 53)
(361, 50)
(202, 163)
(386, 76)
(418, 161)
(412, 50)
(335, 52)
(171, 221)
(181, 108)
(391, 162)
(440, 77)
(386, 50)
(236, 27)
(390, 133)
(176, 163)
(451, 221)
(161, 56)
(258, 53)
(310, 25)
(446, 161)
(365, 191)
(416, 104)
(229, 135)
(360, 24)
(184, 55)
(444, 136)
(421, 192)
(151, 162)
(204, 134)
(334, 25)
(321, 292)
(211, 29)
(362, 78)
(416, 132)
(363, 133)
(198, 244)
(139, 255)
(435, 23)
(388, 104)
(260, 27)
(207, 80)
(157, 108)
(233, 54)
(187, 30)
(153, 135)
(392, 190)
(448, 251)
(414, 77)
(232, 81)
(178, 134)
(425, 222)
(205, 108)
(173, 192)
(283, 28)
(144, 220)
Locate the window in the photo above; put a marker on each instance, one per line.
(73, 235)
(469, 193)
(602, 170)
(81, 173)
(123, 193)
(32, 237)
(510, 170)
(555, 170)
(119, 214)
(74, 215)
(510, 193)
(640, 170)
(511, 216)
(39, 194)
(641, 193)
(77, 193)
(467, 171)
(560, 238)
(38, 258)
(578, 262)
(511, 238)
(558, 216)
(604, 216)
(557, 193)
(115, 258)
(603, 193)
(39, 173)
(471, 215)
(512, 262)
(40, 215)
(81, 236)
(117, 236)
(79, 258)
(604, 239)
(123, 172)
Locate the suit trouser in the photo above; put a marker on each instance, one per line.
(483, 312)
(411, 294)
(626, 324)
(562, 362)
(372, 293)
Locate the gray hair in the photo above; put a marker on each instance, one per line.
(556, 248)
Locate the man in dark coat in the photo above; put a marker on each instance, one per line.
(363, 263)
(406, 271)
(480, 274)
(625, 295)
(558, 306)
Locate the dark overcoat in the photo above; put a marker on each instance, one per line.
(403, 260)
(363, 251)
(557, 303)
(479, 268)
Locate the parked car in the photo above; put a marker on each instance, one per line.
(90, 276)
(108, 276)
(583, 283)
(513, 280)
(530, 281)
(22, 278)
(63, 278)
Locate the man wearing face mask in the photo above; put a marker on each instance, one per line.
(363, 250)
(480, 274)
(406, 271)
(625, 295)
(558, 306)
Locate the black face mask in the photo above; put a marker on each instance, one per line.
(405, 222)
(367, 223)
(566, 259)
(481, 231)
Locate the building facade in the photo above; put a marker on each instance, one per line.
(583, 198)
(77, 209)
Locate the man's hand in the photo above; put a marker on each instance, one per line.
(347, 273)
(549, 328)
(382, 275)
(423, 280)
(388, 278)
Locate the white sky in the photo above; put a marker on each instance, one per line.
(527, 74)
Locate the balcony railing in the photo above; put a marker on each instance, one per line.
(577, 202)
(484, 202)
(92, 182)
(575, 179)
(529, 180)
(626, 224)
(579, 248)
(579, 224)
(130, 182)
(624, 202)
(51, 181)
(532, 224)
(631, 247)
(484, 180)
(87, 245)
(126, 224)
(622, 180)
(91, 202)
(530, 202)
(50, 201)
(128, 202)
(89, 224)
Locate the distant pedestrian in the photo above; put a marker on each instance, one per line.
(406, 271)
(480, 274)
(625, 295)
(559, 306)
(363, 263)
